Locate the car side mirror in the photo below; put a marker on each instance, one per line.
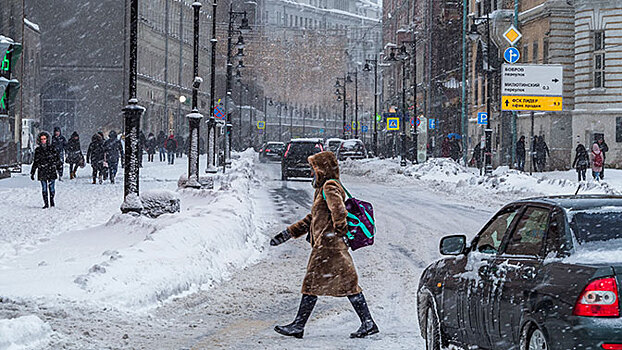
(453, 245)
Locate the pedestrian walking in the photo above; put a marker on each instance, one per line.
(330, 271)
(477, 156)
(520, 154)
(95, 156)
(161, 139)
(445, 148)
(171, 147)
(455, 149)
(46, 163)
(597, 162)
(151, 146)
(581, 161)
(604, 148)
(59, 142)
(181, 146)
(542, 151)
(75, 158)
(113, 152)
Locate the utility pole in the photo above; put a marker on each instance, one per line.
(194, 118)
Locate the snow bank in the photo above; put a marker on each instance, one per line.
(27, 332)
(134, 262)
(445, 175)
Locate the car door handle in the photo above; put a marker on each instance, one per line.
(529, 273)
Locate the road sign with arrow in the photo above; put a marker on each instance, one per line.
(532, 87)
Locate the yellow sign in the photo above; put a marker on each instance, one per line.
(532, 103)
(393, 124)
(512, 35)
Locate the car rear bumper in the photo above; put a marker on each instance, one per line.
(298, 171)
(584, 333)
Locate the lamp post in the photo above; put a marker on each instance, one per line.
(132, 114)
(474, 35)
(244, 27)
(368, 69)
(194, 118)
(211, 123)
(341, 92)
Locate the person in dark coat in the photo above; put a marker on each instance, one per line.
(455, 150)
(75, 158)
(477, 156)
(445, 148)
(161, 140)
(46, 164)
(520, 154)
(113, 152)
(60, 143)
(542, 151)
(104, 164)
(330, 270)
(151, 146)
(581, 161)
(604, 148)
(181, 146)
(171, 147)
(95, 156)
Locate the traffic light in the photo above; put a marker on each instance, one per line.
(9, 55)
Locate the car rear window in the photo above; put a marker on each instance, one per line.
(352, 146)
(305, 148)
(598, 224)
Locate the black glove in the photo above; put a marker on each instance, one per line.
(280, 238)
(32, 177)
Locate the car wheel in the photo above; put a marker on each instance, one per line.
(536, 340)
(432, 332)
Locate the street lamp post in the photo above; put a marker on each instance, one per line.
(474, 35)
(132, 115)
(211, 123)
(194, 118)
(240, 46)
(367, 69)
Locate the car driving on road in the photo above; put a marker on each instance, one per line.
(271, 151)
(294, 162)
(543, 273)
(351, 149)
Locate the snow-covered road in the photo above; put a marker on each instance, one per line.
(241, 312)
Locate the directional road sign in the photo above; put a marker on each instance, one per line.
(261, 125)
(511, 55)
(512, 35)
(532, 87)
(482, 118)
(365, 128)
(432, 124)
(393, 124)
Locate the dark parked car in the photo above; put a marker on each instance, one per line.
(294, 162)
(544, 273)
(271, 151)
(351, 149)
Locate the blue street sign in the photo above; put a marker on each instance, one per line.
(511, 55)
(348, 127)
(393, 124)
(364, 128)
(482, 118)
(432, 124)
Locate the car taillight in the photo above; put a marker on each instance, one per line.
(612, 346)
(288, 146)
(267, 150)
(599, 299)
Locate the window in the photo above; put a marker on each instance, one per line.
(545, 50)
(535, 52)
(526, 53)
(618, 129)
(490, 239)
(599, 59)
(529, 234)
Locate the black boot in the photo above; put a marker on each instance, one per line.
(45, 201)
(51, 199)
(368, 326)
(296, 329)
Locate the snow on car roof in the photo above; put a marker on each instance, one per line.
(307, 140)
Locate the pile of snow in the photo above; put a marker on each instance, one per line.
(158, 202)
(27, 332)
(447, 176)
(135, 262)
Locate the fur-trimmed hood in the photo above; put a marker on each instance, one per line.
(325, 166)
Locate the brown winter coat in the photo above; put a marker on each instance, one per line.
(330, 270)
